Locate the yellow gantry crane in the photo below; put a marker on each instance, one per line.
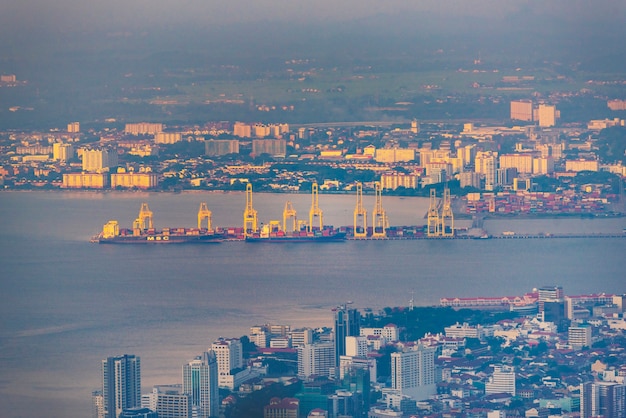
(249, 214)
(289, 214)
(315, 212)
(380, 223)
(144, 220)
(447, 216)
(433, 216)
(360, 214)
(204, 214)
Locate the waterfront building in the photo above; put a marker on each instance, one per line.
(143, 128)
(522, 110)
(217, 147)
(134, 180)
(315, 359)
(501, 381)
(85, 181)
(167, 137)
(413, 372)
(393, 180)
(602, 399)
(121, 384)
(346, 324)
(200, 382)
(579, 336)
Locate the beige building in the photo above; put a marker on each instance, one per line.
(522, 162)
(522, 110)
(547, 115)
(73, 127)
(393, 180)
(616, 104)
(242, 130)
(581, 165)
(167, 137)
(98, 160)
(543, 165)
(394, 155)
(62, 152)
(134, 180)
(143, 128)
(217, 147)
(85, 181)
(486, 163)
(274, 147)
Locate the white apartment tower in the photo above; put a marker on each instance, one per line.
(486, 163)
(229, 354)
(413, 372)
(502, 381)
(98, 160)
(315, 359)
(200, 381)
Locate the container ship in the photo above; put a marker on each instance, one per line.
(143, 231)
(266, 234)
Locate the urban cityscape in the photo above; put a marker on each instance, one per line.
(534, 355)
(500, 125)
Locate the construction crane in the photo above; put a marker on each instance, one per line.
(144, 220)
(315, 212)
(249, 214)
(289, 214)
(380, 223)
(360, 214)
(204, 214)
(433, 216)
(447, 216)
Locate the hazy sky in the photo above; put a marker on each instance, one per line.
(24, 14)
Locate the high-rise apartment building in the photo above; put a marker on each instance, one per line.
(486, 163)
(229, 354)
(602, 399)
(501, 381)
(547, 115)
(413, 372)
(217, 147)
(167, 137)
(579, 336)
(549, 293)
(273, 147)
(98, 160)
(73, 127)
(121, 384)
(315, 359)
(522, 110)
(62, 152)
(522, 162)
(200, 381)
(168, 401)
(346, 324)
(143, 128)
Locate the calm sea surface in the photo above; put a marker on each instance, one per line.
(65, 303)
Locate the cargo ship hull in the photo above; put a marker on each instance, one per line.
(280, 239)
(160, 239)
